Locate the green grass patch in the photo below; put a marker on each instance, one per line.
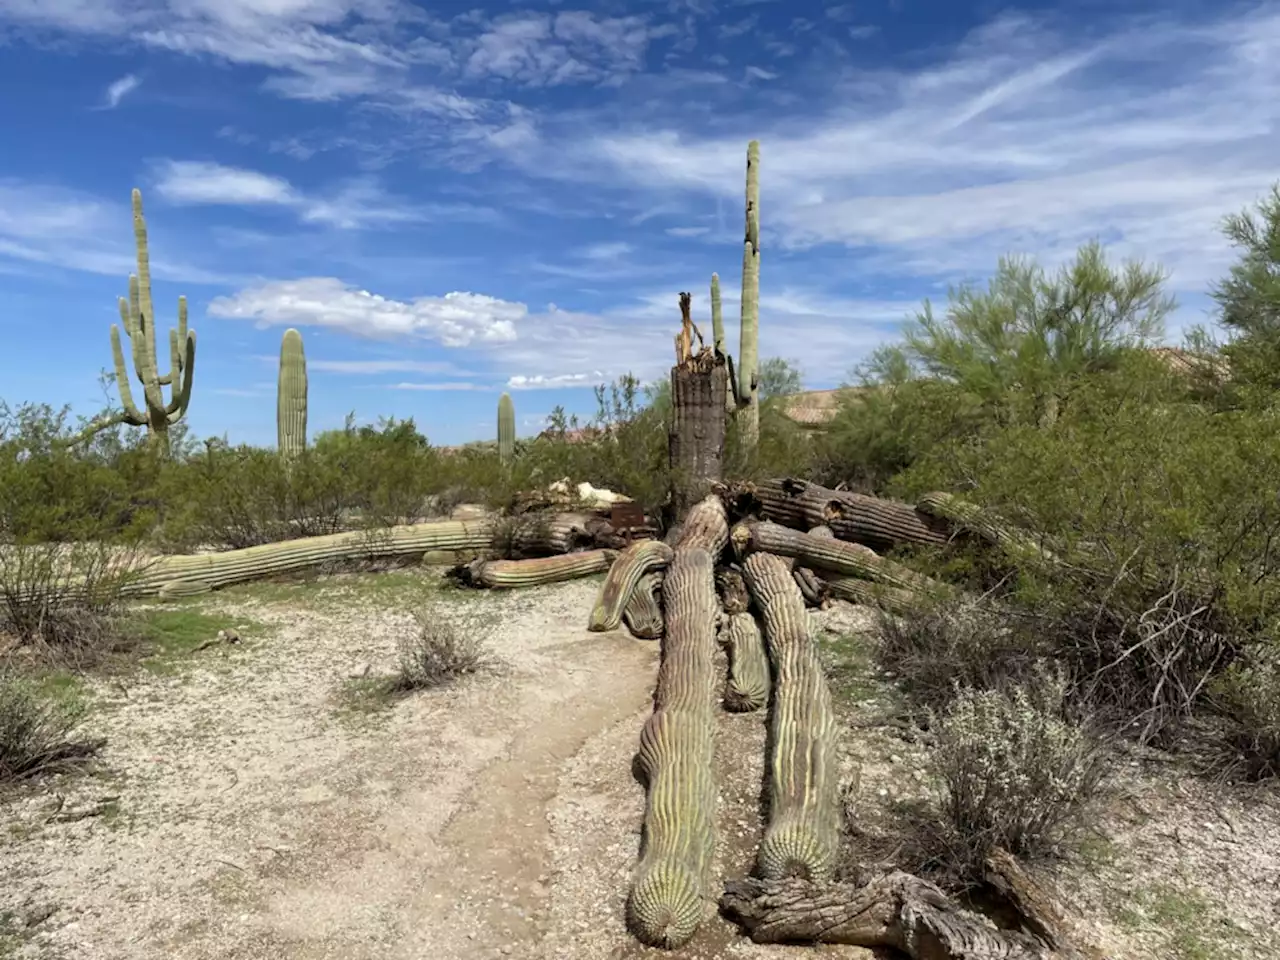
(850, 667)
(168, 636)
(1191, 926)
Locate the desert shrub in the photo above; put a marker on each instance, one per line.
(1014, 774)
(1247, 696)
(37, 734)
(439, 652)
(1164, 515)
(945, 645)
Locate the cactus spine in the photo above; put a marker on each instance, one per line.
(506, 428)
(676, 754)
(137, 314)
(291, 395)
(804, 820)
(748, 343)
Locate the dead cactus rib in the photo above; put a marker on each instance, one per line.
(804, 820)
(633, 563)
(665, 905)
(643, 612)
(896, 910)
(747, 687)
(858, 518)
(837, 556)
(734, 597)
(512, 574)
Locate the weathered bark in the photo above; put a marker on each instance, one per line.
(699, 388)
(837, 556)
(706, 527)
(549, 534)
(877, 523)
(896, 910)
(733, 591)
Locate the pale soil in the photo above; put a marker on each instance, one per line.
(259, 816)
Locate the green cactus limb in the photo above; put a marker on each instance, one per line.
(706, 527)
(291, 395)
(802, 836)
(506, 428)
(643, 612)
(666, 902)
(717, 317)
(748, 685)
(621, 582)
(748, 342)
(513, 574)
(836, 556)
(868, 594)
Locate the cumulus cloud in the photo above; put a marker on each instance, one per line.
(543, 382)
(455, 319)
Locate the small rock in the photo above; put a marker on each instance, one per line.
(360, 672)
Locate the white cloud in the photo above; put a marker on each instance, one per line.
(357, 367)
(198, 182)
(605, 251)
(444, 385)
(455, 320)
(542, 382)
(121, 88)
(570, 47)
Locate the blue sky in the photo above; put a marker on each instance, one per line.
(450, 200)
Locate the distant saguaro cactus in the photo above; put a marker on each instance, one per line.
(138, 316)
(506, 428)
(749, 344)
(291, 395)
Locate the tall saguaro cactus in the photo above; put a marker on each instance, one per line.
(291, 395)
(137, 314)
(506, 428)
(748, 344)
(717, 318)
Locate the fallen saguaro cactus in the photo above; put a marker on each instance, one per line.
(747, 687)
(804, 811)
(665, 905)
(812, 587)
(858, 518)
(706, 526)
(542, 534)
(868, 594)
(734, 596)
(849, 559)
(633, 563)
(212, 571)
(1018, 545)
(513, 574)
(643, 612)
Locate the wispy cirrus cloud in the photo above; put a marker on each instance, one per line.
(119, 89)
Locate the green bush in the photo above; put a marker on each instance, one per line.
(37, 734)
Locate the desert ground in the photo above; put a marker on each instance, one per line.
(267, 800)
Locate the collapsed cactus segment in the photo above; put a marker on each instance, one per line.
(748, 685)
(638, 559)
(868, 594)
(665, 905)
(804, 822)
(706, 527)
(812, 587)
(291, 395)
(512, 574)
(643, 612)
(849, 559)
(734, 597)
(506, 428)
(858, 518)
(1018, 545)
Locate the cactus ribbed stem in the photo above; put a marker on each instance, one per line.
(706, 527)
(619, 586)
(506, 428)
(804, 822)
(643, 612)
(291, 396)
(748, 684)
(837, 556)
(812, 587)
(868, 594)
(748, 343)
(513, 574)
(717, 318)
(877, 523)
(665, 905)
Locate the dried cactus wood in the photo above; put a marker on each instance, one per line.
(549, 534)
(620, 584)
(513, 574)
(747, 687)
(837, 556)
(699, 388)
(666, 903)
(643, 612)
(706, 527)
(804, 820)
(877, 523)
(734, 597)
(812, 587)
(291, 395)
(896, 911)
